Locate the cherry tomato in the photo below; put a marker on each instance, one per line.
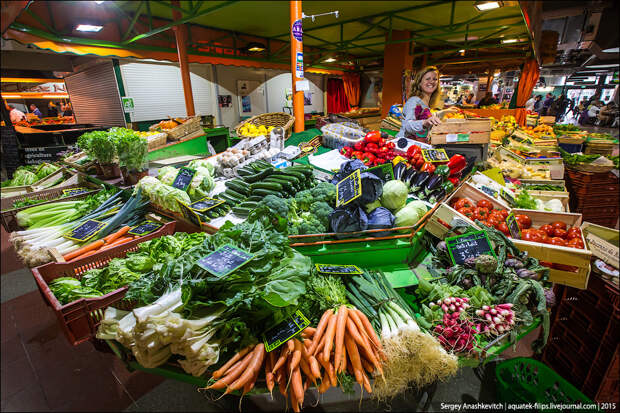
(548, 229)
(484, 203)
(559, 224)
(557, 241)
(575, 243)
(467, 211)
(574, 232)
(502, 226)
(523, 220)
(558, 232)
(463, 202)
(481, 213)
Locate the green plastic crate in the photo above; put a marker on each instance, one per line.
(525, 380)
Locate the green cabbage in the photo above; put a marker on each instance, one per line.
(410, 214)
(394, 195)
(167, 174)
(203, 163)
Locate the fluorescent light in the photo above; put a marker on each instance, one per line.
(329, 60)
(55, 96)
(462, 51)
(98, 2)
(509, 40)
(597, 66)
(88, 28)
(612, 50)
(256, 49)
(487, 5)
(10, 96)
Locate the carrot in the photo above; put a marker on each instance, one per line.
(361, 343)
(369, 329)
(305, 367)
(257, 360)
(328, 368)
(110, 238)
(232, 374)
(319, 348)
(307, 344)
(314, 367)
(308, 332)
(86, 254)
(307, 384)
(115, 243)
(343, 360)
(320, 329)
(82, 250)
(269, 376)
(324, 383)
(281, 384)
(341, 323)
(220, 372)
(367, 365)
(329, 336)
(366, 383)
(294, 402)
(354, 356)
(297, 386)
(283, 355)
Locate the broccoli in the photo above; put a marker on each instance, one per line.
(324, 191)
(321, 211)
(304, 199)
(278, 205)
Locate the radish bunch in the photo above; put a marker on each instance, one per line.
(456, 334)
(497, 319)
(452, 306)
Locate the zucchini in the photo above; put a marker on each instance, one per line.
(248, 204)
(234, 194)
(272, 186)
(245, 171)
(263, 164)
(299, 175)
(265, 192)
(306, 170)
(242, 188)
(283, 175)
(228, 199)
(285, 184)
(258, 176)
(212, 213)
(255, 198)
(242, 212)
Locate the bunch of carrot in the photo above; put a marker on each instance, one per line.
(343, 341)
(103, 244)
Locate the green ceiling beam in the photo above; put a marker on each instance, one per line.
(182, 21)
(407, 19)
(372, 27)
(49, 12)
(173, 7)
(41, 21)
(478, 59)
(456, 49)
(148, 10)
(452, 14)
(133, 21)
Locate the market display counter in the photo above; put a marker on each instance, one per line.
(519, 114)
(193, 145)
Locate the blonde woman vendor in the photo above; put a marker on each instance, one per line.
(425, 94)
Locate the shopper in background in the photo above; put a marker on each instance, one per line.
(66, 109)
(547, 104)
(606, 115)
(16, 115)
(486, 100)
(538, 104)
(496, 98)
(35, 110)
(529, 105)
(470, 99)
(425, 94)
(52, 109)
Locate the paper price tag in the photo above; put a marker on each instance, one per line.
(284, 331)
(184, 178)
(145, 228)
(507, 196)
(85, 231)
(489, 191)
(464, 246)
(338, 269)
(435, 155)
(349, 189)
(224, 260)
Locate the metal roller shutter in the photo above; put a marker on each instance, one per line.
(94, 96)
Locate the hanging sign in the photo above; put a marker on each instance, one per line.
(349, 189)
(346, 269)
(284, 331)
(384, 171)
(145, 228)
(224, 260)
(435, 155)
(299, 65)
(464, 246)
(184, 178)
(128, 105)
(85, 231)
(297, 30)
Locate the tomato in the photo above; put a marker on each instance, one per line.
(558, 232)
(574, 232)
(484, 203)
(481, 213)
(575, 243)
(494, 213)
(526, 235)
(523, 220)
(544, 238)
(494, 221)
(559, 224)
(454, 200)
(548, 229)
(467, 211)
(463, 202)
(533, 235)
(557, 241)
(502, 226)
(504, 214)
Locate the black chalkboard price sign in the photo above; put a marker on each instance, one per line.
(205, 204)
(74, 191)
(513, 226)
(489, 191)
(338, 269)
(189, 214)
(284, 331)
(145, 228)
(224, 260)
(85, 231)
(184, 178)
(384, 171)
(468, 245)
(349, 189)
(435, 155)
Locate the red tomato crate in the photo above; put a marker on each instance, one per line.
(79, 320)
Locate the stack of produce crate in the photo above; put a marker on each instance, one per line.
(583, 343)
(594, 195)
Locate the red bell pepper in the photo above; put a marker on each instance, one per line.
(372, 147)
(454, 180)
(419, 163)
(390, 145)
(457, 163)
(383, 151)
(359, 145)
(413, 150)
(381, 142)
(371, 157)
(346, 151)
(373, 136)
(428, 167)
(357, 154)
(380, 161)
(390, 155)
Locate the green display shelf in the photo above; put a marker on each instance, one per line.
(218, 137)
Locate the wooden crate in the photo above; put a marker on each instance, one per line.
(461, 131)
(602, 241)
(548, 120)
(549, 195)
(579, 258)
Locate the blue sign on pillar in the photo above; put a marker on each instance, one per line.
(297, 30)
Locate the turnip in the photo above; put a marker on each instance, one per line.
(486, 307)
(480, 313)
(493, 311)
(447, 301)
(452, 307)
(444, 308)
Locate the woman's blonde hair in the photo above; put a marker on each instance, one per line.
(416, 88)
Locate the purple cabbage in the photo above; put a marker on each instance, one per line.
(380, 218)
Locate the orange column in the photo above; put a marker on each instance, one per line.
(180, 34)
(396, 59)
(296, 48)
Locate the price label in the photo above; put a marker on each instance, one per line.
(145, 228)
(74, 191)
(338, 269)
(489, 191)
(513, 226)
(189, 214)
(435, 155)
(457, 137)
(507, 196)
(224, 260)
(184, 178)
(384, 171)
(205, 204)
(284, 331)
(464, 246)
(85, 231)
(349, 189)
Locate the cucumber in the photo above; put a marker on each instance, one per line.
(272, 186)
(258, 176)
(296, 174)
(255, 198)
(234, 194)
(248, 204)
(239, 186)
(242, 212)
(229, 200)
(265, 192)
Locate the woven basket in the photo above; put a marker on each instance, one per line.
(189, 126)
(274, 119)
(601, 148)
(155, 141)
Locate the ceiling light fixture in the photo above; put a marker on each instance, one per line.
(98, 2)
(329, 60)
(504, 41)
(56, 96)
(88, 28)
(612, 50)
(462, 51)
(10, 96)
(597, 66)
(254, 47)
(487, 5)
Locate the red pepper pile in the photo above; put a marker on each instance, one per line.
(373, 150)
(456, 164)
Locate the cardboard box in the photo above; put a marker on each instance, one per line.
(603, 242)
(461, 131)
